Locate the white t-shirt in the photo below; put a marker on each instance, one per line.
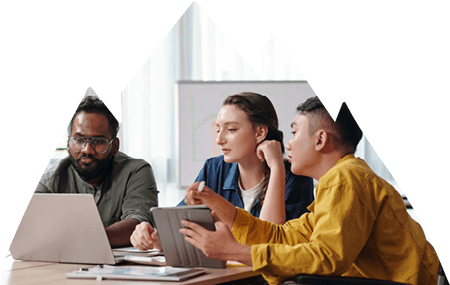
(249, 196)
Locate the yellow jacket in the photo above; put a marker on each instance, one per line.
(358, 226)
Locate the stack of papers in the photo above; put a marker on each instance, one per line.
(147, 257)
(135, 251)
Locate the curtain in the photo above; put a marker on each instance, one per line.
(194, 49)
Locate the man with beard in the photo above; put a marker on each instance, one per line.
(124, 188)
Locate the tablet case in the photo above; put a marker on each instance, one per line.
(177, 250)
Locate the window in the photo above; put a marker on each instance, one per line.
(195, 49)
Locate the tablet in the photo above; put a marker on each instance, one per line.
(151, 273)
(177, 250)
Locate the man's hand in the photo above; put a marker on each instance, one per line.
(219, 244)
(119, 233)
(145, 237)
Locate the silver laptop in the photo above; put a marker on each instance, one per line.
(63, 228)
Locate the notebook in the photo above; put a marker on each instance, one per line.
(177, 251)
(63, 228)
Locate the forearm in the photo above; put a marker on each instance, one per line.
(119, 233)
(273, 209)
(242, 254)
(224, 209)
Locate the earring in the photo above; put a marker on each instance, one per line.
(257, 140)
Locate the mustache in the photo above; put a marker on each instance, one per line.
(90, 156)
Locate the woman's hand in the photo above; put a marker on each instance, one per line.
(224, 209)
(270, 151)
(145, 237)
(189, 198)
(273, 209)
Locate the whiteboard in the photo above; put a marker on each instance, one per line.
(199, 102)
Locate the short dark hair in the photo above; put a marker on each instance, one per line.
(344, 131)
(322, 118)
(93, 104)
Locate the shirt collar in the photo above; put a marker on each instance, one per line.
(342, 160)
(347, 157)
(231, 181)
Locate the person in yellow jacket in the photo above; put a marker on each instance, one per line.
(357, 226)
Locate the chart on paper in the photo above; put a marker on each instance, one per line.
(203, 134)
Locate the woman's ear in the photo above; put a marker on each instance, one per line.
(261, 133)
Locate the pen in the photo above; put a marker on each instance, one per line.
(200, 187)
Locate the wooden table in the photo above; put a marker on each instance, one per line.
(17, 272)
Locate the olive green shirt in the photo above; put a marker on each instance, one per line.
(127, 191)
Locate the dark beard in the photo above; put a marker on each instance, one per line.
(93, 172)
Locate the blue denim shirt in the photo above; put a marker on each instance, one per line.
(222, 178)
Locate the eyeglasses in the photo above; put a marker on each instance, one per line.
(99, 145)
